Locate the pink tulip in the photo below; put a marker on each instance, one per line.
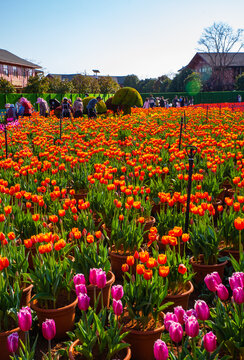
(192, 326)
(80, 289)
(83, 302)
(93, 276)
(236, 280)
(202, 310)
(222, 292)
(168, 319)
(179, 312)
(210, 341)
(117, 307)
(160, 350)
(211, 282)
(101, 279)
(238, 295)
(13, 342)
(79, 279)
(175, 332)
(117, 292)
(49, 329)
(25, 318)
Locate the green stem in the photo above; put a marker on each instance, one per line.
(102, 298)
(194, 349)
(49, 350)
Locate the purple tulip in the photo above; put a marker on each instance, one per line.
(160, 350)
(80, 289)
(179, 312)
(216, 276)
(210, 341)
(168, 319)
(192, 326)
(117, 292)
(49, 329)
(83, 302)
(101, 279)
(188, 313)
(117, 307)
(236, 280)
(222, 292)
(25, 318)
(93, 276)
(175, 332)
(238, 295)
(211, 282)
(202, 310)
(79, 279)
(13, 342)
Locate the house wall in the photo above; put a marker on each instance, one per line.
(17, 75)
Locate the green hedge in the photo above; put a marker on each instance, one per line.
(13, 98)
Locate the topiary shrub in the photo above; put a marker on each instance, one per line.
(126, 98)
(111, 106)
(101, 106)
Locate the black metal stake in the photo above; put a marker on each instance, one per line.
(219, 110)
(60, 128)
(6, 140)
(185, 118)
(207, 114)
(191, 151)
(181, 126)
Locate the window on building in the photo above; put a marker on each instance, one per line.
(5, 70)
(24, 72)
(15, 71)
(30, 72)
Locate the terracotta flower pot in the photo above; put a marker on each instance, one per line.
(75, 343)
(202, 270)
(106, 291)
(64, 317)
(148, 224)
(117, 261)
(81, 194)
(228, 252)
(5, 354)
(141, 342)
(26, 296)
(181, 299)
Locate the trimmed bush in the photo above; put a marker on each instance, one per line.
(110, 105)
(127, 97)
(101, 106)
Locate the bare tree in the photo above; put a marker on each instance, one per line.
(222, 44)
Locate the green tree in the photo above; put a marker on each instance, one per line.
(58, 86)
(178, 82)
(193, 83)
(131, 81)
(6, 87)
(108, 85)
(81, 84)
(162, 84)
(37, 84)
(239, 85)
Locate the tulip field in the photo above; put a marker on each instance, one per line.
(121, 237)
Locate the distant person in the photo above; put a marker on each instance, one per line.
(18, 105)
(162, 102)
(11, 113)
(44, 108)
(78, 108)
(27, 106)
(182, 101)
(146, 104)
(53, 103)
(191, 101)
(175, 101)
(66, 108)
(91, 107)
(151, 101)
(239, 98)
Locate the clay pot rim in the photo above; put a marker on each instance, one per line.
(108, 283)
(146, 333)
(34, 307)
(9, 332)
(74, 343)
(188, 292)
(193, 262)
(115, 254)
(27, 288)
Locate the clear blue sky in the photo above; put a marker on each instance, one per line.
(146, 38)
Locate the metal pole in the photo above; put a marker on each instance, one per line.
(6, 140)
(207, 114)
(60, 128)
(185, 118)
(191, 151)
(181, 126)
(219, 110)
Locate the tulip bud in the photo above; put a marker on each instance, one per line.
(175, 332)
(210, 342)
(238, 295)
(179, 312)
(117, 307)
(49, 329)
(216, 276)
(79, 279)
(101, 279)
(117, 292)
(222, 292)
(80, 289)
(211, 282)
(25, 318)
(93, 276)
(13, 342)
(160, 350)
(202, 310)
(188, 313)
(192, 326)
(236, 280)
(168, 319)
(83, 302)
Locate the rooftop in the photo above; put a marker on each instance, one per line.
(8, 58)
